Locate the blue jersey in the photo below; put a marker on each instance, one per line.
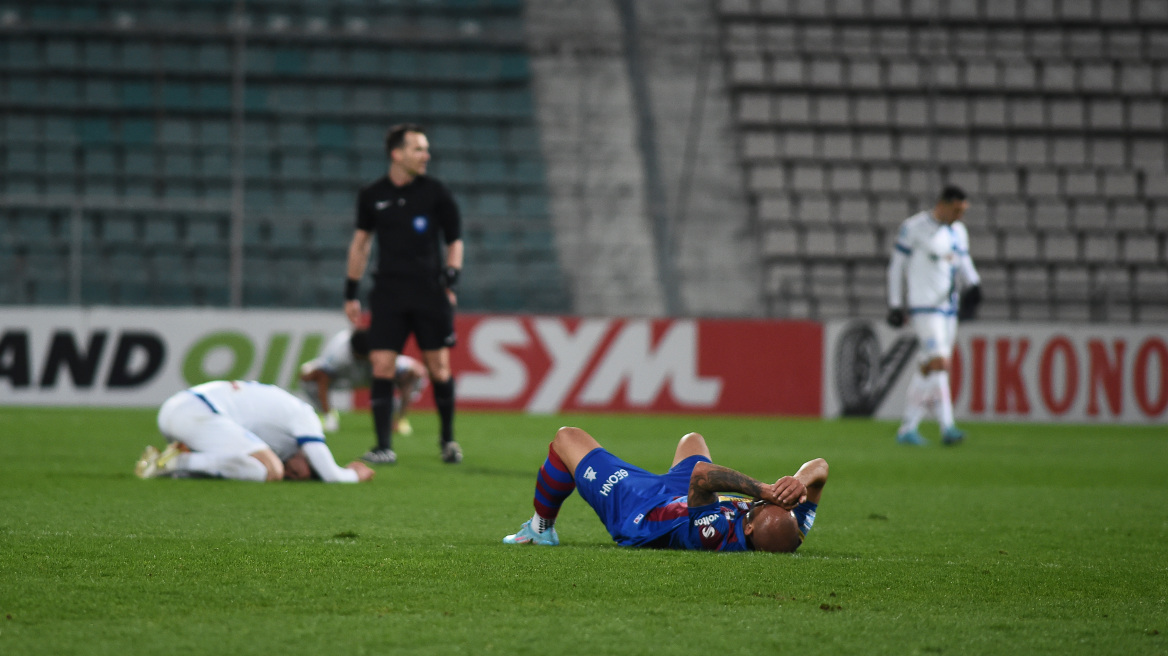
(643, 509)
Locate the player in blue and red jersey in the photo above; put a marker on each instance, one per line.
(680, 509)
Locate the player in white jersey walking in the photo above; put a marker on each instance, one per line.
(246, 431)
(344, 363)
(932, 274)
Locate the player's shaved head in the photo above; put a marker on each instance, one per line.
(774, 529)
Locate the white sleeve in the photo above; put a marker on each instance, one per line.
(896, 267)
(322, 462)
(965, 269)
(968, 272)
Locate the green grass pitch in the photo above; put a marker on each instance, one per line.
(1026, 540)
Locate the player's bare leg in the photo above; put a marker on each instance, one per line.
(571, 445)
(554, 483)
(691, 444)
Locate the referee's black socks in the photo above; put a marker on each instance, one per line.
(444, 400)
(381, 404)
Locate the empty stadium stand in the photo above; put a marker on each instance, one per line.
(118, 162)
(852, 113)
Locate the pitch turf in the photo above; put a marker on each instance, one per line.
(1027, 540)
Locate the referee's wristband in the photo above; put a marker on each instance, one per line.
(451, 276)
(351, 289)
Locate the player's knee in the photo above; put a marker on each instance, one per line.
(439, 372)
(566, 433)
(569, 435)
(383, 363)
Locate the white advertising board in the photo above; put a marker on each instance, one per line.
(139, 357)
(1006, 372)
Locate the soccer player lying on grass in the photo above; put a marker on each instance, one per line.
(246, 431)
(680, 509)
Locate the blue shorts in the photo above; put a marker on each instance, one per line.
(621, 494)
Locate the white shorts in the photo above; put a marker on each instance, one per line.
(187, 418)
(936, 333)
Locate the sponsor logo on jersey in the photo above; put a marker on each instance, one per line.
(420, 224)
(616, 477)
(706, 520)
(381, 204)
(590, 474)
(638, 518)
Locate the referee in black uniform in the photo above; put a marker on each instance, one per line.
(412, 215)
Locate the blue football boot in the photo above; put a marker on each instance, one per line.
(911, 438)
(527, 535)
(952, 435)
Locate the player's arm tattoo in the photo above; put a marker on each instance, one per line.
(709, 479)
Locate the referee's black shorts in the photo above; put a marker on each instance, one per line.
(397, 311)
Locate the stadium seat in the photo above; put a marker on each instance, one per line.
(1050, 215)
(820, 241)
(983, 243)
(781, 242)
(1091, 215)
(120, 230)
(205, 233)
(160, 230)
(1102, 248)
(1150, 285)
(1060, 247)
(852, 211)
(1020, 247)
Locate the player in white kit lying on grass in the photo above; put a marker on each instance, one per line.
(245, 431)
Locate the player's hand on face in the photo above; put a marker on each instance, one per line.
(789, 492)
(353, 311)
(772, 493)
(364, 472)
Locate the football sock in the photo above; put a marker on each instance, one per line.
(553, 485)
(381, 405)
(444, 400)
(916, 401)
(944, 399)
(222, 465)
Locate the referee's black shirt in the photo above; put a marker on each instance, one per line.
(408, 222)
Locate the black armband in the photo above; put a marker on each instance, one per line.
(351, 289)
(450, 277)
